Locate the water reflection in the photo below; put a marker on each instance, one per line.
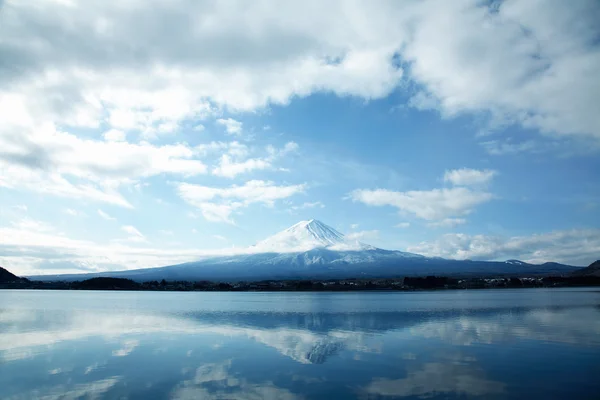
(214, 381)
(421, 351)
(437, 378)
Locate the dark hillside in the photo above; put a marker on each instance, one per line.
(103, 283)
(6, 276)
(592, 270)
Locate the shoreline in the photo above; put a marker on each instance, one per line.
(406, 284)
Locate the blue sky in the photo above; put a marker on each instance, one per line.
(156, 132)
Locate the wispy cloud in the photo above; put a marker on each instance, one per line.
(105, 215)
(447, 223)
(134, 234)
(307, 205)
(74, 213)
(468, 176)
(234, 163)
(363, 235)
(217, 204)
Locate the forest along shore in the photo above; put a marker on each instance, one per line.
(399, 284)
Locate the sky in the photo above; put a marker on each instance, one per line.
(143, 133)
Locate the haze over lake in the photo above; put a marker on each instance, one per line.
(504, 344)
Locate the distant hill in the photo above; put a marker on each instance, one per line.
(592, 270)
(6, 276)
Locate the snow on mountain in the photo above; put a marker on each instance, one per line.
(312, 249)
(308, 235)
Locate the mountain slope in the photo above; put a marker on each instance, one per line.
(314, 250)
(6, 276)
(592, 270)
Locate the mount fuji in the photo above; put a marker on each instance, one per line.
(313, 250)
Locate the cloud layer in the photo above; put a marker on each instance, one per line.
(531, 63)
(572, 246)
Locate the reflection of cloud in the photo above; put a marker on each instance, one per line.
(576, 325)
(214, 381)
(436, 378)
(214, 373)
(88, 390)
(127, 348)
(92, 368)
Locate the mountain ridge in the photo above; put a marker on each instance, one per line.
(313, 250)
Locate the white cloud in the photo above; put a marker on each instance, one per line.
(430, 205)
(54, 162)
(577, 247)
(447, 223)
(31, 225)
(114, 135)
(354, 226)
(134, 234)
(531, 63)
(290, 147)
(232, 126)
(217, 204)
(232, 163)
(307, 205)
(31, 247)
(105, 215)
(233, 149)
(219, 237)
(131, 230)
(363, 235)
(74, 213)
(498, 148)
(402, 225)
(20, 207)
(230, 169)
(468, 176)
(199, 128)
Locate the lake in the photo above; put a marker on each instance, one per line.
(493, 344)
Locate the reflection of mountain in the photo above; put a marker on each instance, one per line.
(304, 337)
(304, 346)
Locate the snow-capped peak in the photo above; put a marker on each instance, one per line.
(307, 235)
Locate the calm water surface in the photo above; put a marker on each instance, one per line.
(493, 344)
